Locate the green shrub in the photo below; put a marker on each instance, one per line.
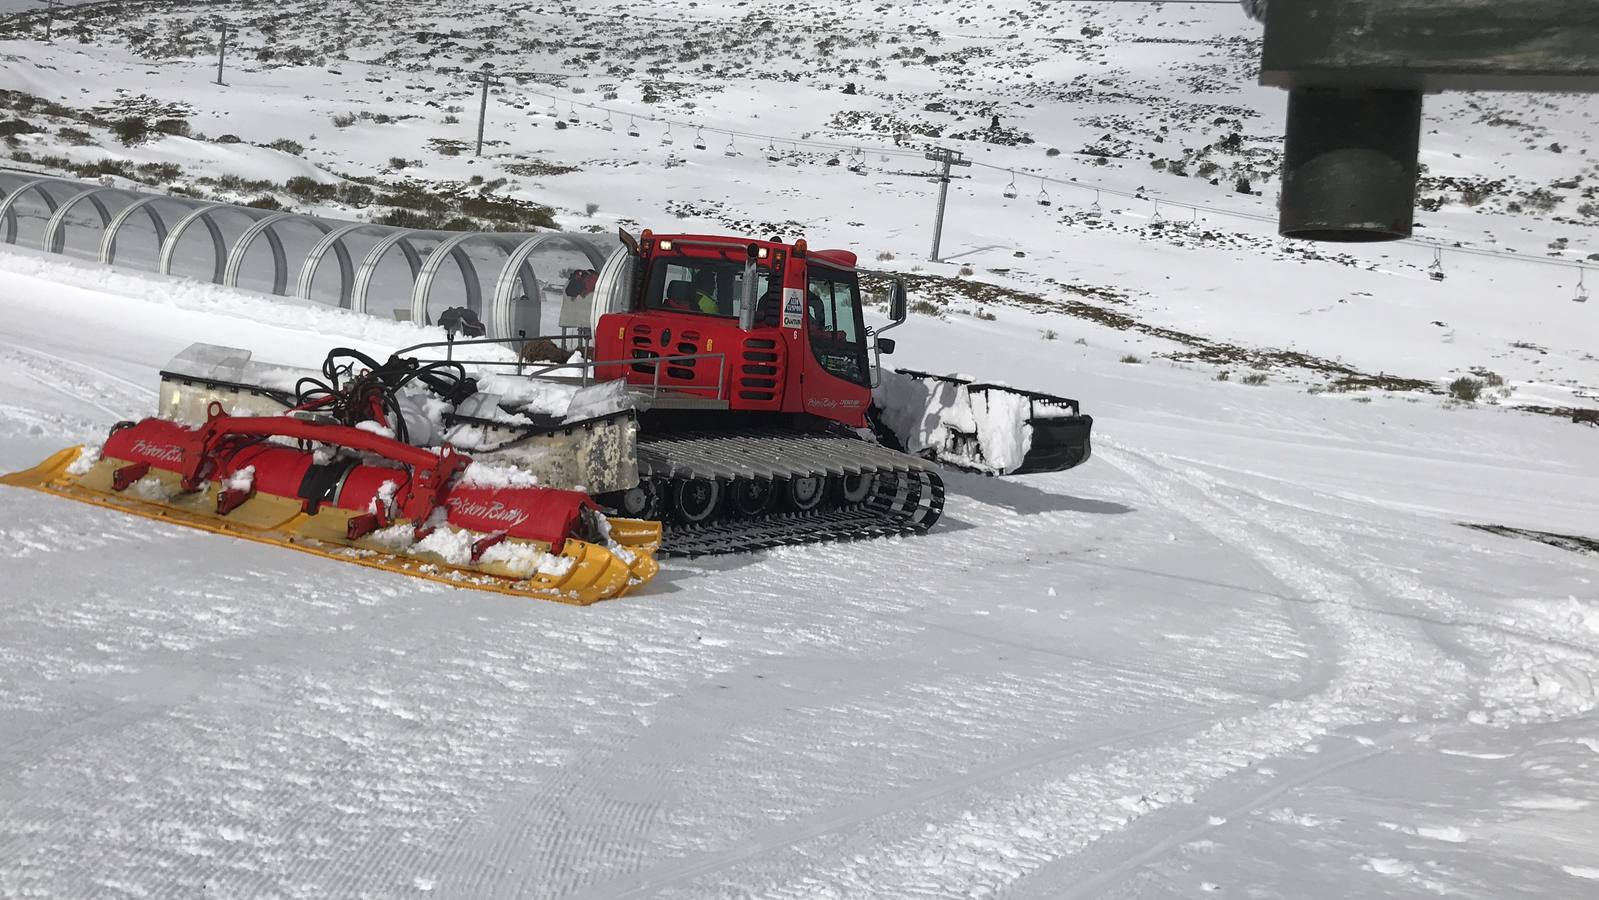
(357, 195)
(131, 130)
(1465, 389)
(77, 137)
(309, 190)
(1254, 378)
(1130, 359)
(178, 127)
(288, 146)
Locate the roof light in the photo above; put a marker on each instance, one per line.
(666, 245)
(762, 253)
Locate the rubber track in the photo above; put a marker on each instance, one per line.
(907, 496)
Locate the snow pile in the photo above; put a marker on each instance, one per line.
(1002, 429)
(488, 475)
(987, 430)
(535, 395)
(384, 497)
(242, 480)
(599, 400)
(87, 457)
(376, 428)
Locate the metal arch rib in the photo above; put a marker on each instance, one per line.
(451, 248)
(108, 243)
(369, 264)
(8, 212)
(333, 240)
(516, 267)
(54, 241)
(169, 247)
(267, 225)
(613, 286)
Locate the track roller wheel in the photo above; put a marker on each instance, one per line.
(695, 501)
(640, 502)
(805, 492)
(854, 489)
(752, 496)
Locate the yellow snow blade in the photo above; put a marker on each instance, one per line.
(582, 573)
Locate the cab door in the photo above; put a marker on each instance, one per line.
(837, 379)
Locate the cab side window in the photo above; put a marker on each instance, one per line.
(831, 309)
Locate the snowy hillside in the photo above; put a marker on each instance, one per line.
(1153, 102)
(1251, 649)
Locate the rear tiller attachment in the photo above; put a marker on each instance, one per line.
(352, 494)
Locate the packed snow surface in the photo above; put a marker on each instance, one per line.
(1213, 659)
(1248, 650)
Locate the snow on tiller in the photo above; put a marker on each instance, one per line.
(354, 495)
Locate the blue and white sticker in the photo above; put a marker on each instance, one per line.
(793, 308)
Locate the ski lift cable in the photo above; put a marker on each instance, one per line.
(1097, 188)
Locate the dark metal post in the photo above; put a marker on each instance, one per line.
(222, 51)
(49, 20)
(1349, 164)
(946, 158)
(1356, 71)
(483, 107)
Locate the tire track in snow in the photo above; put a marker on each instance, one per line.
(81, 381)
(1000, 837)
(1543, 665)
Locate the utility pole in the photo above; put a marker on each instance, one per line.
(947, 158)
(222, 51)
(49, 19)
(486, 75)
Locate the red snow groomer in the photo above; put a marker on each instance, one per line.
(331, 477)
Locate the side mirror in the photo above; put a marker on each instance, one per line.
(885, 345)
(896, 302)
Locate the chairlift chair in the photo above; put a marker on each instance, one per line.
(772, 155)
(1010, 189)
(731, 150)
(666, 137)
(1043, 195)
(1094, 212)
(607, 125)
(1582, 289)
(1157, 220)
(571, 116)
(632, 127)
(699, 139)
(857, 163)
(794, 159)
(1436, 270)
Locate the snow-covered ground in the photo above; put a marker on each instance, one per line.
(1248, 650)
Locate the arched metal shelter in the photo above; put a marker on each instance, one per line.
(505, 278)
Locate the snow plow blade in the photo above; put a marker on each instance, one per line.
(579, 572)
(987, 428)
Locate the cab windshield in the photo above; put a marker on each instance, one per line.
(694, 285)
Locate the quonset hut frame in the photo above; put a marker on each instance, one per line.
(404, 273)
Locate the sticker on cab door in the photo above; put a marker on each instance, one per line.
(793, 308)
